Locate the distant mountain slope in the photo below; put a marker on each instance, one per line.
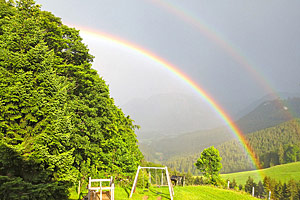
(191, 142)
(268, 97)
(165, 115)
(270, 113)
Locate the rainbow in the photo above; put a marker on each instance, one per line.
(219, 40)
(225, 44)
(181, 75)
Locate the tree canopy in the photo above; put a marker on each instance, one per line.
(56, 113)
(209, 164)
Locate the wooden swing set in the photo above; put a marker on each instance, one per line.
(164, 169)
(100, 192)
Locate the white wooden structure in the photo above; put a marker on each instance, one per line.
(93, 190)
(171, 191)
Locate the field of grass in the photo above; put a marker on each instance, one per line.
(282, 173)
(182, 193)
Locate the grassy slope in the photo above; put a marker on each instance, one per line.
(184, 193)
(181, 193)
(280, 172)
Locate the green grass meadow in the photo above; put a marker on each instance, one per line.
(181, 193)
(282, 173)
(185, 193)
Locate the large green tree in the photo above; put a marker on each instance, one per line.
(210, 164)
(56, 112)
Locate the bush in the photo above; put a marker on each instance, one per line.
(17, 188)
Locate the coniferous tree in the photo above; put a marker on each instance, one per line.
(292, 189)
(232, 184)
(56, 113)
(240, 186)
(260, 190)
(278, 193)
(281, 154)
(249, 184)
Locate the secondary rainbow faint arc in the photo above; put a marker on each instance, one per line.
(222, 42)
(217, 39)
(204, 95)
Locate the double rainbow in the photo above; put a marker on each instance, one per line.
(233, 51)
(216, 37)
(181, 75)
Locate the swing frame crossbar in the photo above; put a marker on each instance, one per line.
(153, 168)
(171, 191)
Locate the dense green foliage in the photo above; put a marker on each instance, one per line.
(56, 114)
(209, 164)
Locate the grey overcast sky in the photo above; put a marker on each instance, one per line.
(237, 51)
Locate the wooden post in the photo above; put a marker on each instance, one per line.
(149, 176)
(269, 195)
(78, 189)
(228, 184)
(156, 177)
(253, 191)
(135, 182)
(100, 191)
(113, 191)
(169, 183)
(162, 177)
(89, 186)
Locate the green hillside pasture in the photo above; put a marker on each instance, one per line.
(183, 193)
(282, 173)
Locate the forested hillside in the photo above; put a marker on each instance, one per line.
(191, 142)
(58, 123)
(162, 148)
(273, 146)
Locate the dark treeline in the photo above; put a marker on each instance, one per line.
(184, 164)
(278, 190)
